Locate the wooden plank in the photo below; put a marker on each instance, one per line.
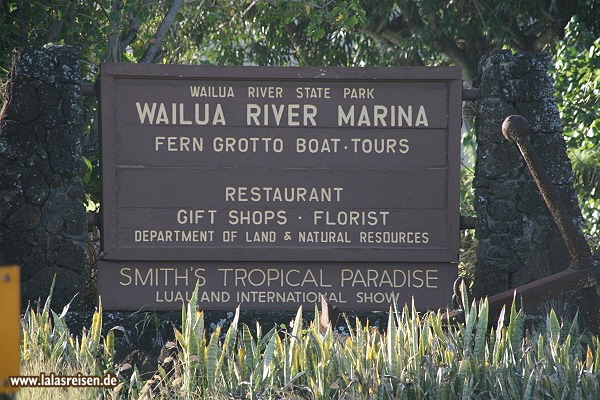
(190, 150)
(357, 286)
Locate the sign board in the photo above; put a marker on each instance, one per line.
(266, 169)
(10, 334)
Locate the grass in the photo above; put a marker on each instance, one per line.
(418, 357)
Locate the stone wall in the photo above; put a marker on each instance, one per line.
(42, 215)
(518, 240)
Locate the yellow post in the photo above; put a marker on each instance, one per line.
(10, 319)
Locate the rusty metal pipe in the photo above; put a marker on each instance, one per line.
(582, 274)
(516, 128)
(546, 288)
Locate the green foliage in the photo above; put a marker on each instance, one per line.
(577, 77)
(283, 32)
(26, 23)
(280, 32)
(48, 346)
(419, 356)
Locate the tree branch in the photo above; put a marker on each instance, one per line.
(128, 37)
(413, 22)
(557, 17)
(154, 48)
(114, 48)
(467, 58)
(313, 5)
(290, 30)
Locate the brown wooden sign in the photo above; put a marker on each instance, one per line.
(164, 285)
(262, 168)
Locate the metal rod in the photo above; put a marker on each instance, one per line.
(516, 128)
(544, 289)
(470, 94)
(467, 222)
(582, 274)
(89, 89)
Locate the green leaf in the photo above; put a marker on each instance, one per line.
(211, 356)
(540, 347)
(87, 163)
(528, 393)
(229, 342)
(250, 352)
(480, 335)
(553, 327)
(470, 324)
(268, 356)
(392, 339)
(351, 21)
(96, 329)
(464, 297)
(114, 16)
(318, 33)
(109, 346)
(515, 327)
(295, 332)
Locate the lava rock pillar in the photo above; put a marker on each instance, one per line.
(43, 224)
(518, 239)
